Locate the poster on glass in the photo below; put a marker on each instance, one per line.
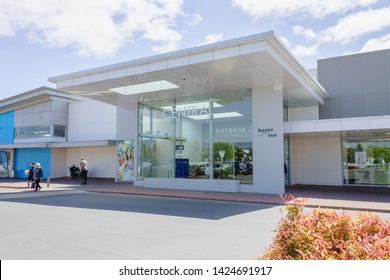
(125, 157)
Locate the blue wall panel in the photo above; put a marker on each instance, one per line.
(7, 128)
(24, 156)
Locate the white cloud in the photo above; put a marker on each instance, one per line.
(356, 18)
(93, 29)
(377, 44)
(353, 26)
(302, 51)
(349, 28)
(287, 8)
(212, 38)
(309, 34)
(194, 20)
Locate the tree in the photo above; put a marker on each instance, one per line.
(378, 153)
(223, 146)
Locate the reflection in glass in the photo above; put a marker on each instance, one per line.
(366, 161)
(39, 131)
(185, 137)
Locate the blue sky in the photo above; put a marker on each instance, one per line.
(45, 38)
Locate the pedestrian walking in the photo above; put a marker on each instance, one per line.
(30, 177)
(84, 171)
(38, 175)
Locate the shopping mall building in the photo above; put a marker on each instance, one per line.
(241, 115)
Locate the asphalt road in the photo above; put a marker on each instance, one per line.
(81, 225)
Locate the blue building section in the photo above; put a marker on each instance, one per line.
(7, 128)
(24, 156)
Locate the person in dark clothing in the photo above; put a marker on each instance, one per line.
(38, 175)
(30, 177)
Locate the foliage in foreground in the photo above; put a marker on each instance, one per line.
(325, 234)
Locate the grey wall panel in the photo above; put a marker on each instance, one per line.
(351, 106)
(60, 106)
(334, 107)
(387, 58)
(364, 85)
(374, 73)
(375, 105)
(324, 110)
(328, 76)
(350, 76)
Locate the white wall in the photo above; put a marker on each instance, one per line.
(303, 113)
(58, 163)
(268, 152)
(59, 112)
(127, 124)
(91, 120)
(316, 159)
(101, 160)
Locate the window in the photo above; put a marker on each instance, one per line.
(366, 157)
(59, 130)
(198, 137)
(39, 131)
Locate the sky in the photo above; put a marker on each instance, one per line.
(46, 38)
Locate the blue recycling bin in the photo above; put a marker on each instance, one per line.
(182, 167)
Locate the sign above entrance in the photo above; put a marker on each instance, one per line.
(190, 111)
(196, 111)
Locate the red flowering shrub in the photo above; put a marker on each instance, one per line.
(325, 234)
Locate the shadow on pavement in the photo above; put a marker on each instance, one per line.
(348, 193)
(189, 208)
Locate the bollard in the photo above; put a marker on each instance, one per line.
(48, 182)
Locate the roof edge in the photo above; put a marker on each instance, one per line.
(33, 94)
(170, 55)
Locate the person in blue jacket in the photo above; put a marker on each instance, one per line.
(30, 177)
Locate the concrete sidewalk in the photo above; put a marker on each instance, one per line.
(375, 199)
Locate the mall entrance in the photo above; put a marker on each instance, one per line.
(197, 137)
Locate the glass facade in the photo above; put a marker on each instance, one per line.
(197, 137)
(39, 131)
(366, 157)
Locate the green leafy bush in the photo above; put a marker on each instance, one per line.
(325, 234)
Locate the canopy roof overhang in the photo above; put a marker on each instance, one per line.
(256, 61)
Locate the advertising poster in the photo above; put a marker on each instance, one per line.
(125, 159)
(360, 159)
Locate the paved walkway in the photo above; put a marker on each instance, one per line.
(339, 197)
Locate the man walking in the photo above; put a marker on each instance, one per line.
(84, 171)
(38, 175)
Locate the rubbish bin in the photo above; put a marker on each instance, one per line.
(182, 167)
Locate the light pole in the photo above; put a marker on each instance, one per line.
(221, 154)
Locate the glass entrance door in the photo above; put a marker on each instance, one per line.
(156, 159)
(197, 137)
